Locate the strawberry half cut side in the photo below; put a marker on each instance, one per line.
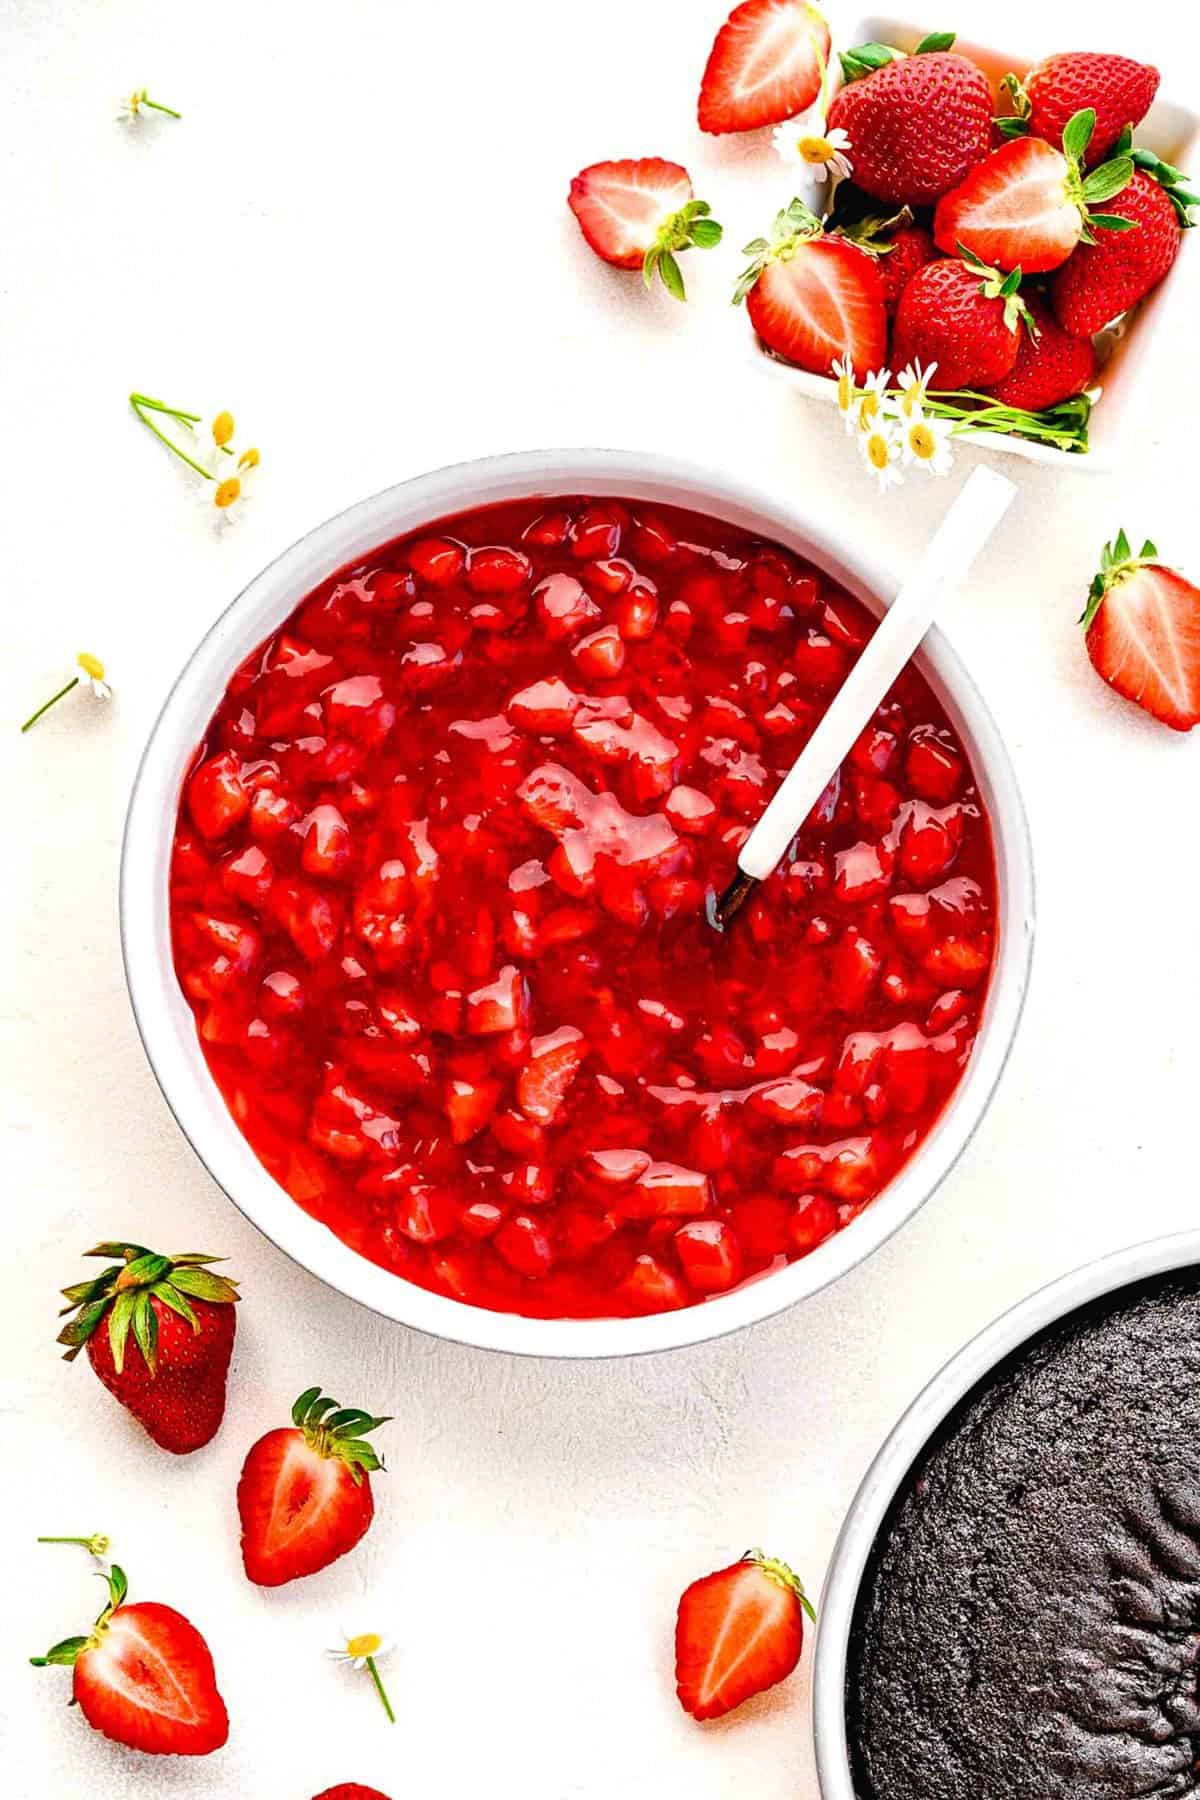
(813, 298)
(304, 1497)
(144, 1677)
(159, 1333)
(766, 65)
(1142, 625)
(639, 214)
(1027, 205)
(738, 1632)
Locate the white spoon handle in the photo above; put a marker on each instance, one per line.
(980, 505)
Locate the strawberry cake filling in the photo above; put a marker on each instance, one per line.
(441, 895)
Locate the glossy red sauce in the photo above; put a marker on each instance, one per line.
(439, 894)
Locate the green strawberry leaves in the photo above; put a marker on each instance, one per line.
(1100, 184)
(691, 227)
(995, 285)
(1116, 561)
(868, 57)
(789, 228)
(1016, 123)
(341, 1431)
(1173, 181)
(124, 1294)
(66, 1653)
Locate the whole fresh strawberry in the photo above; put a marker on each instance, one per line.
(144, 1677)
(1104, 279)
(1027, 205)
(739, 1631)
(304, 1497)
(350, 1790)
(1051, 365)
(814, 297)
(916, 123)
(1142, 625)
(766, 65)
(964, 317)
(639, 213)
(1119, 91)
(159, 1334)
(900, 247)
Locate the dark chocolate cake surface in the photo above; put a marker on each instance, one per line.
(1028, 1627)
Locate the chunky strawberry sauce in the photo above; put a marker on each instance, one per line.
(440, 886)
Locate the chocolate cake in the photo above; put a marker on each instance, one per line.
(1028, 1626)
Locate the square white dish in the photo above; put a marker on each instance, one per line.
(1135, 360)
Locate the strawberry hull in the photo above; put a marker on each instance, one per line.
(488, 1037)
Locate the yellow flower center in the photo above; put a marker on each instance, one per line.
(815, 150)
(868, 410)
(93, 668)
(367, 1643)
(135, 100)
(227, 491)
(922, 442)
(249, 459)
(845, 391)
(222, 429)
(877, 450)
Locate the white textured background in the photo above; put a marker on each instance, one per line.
(357, 240)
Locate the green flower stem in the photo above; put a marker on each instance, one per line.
(159, 107)
(141, 406)
(32, 720)
(980, 413)
(381, 1690)
(97, 1543)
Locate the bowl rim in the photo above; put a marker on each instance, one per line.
(165, 1023)
(969, 1365)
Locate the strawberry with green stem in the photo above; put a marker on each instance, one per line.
(640, 213)
(1105, 278)
(1119, 91)
(738, 1632)
(965, 316)
(1142, 626)
(304, 1497)
(1028, 205)
(143, 1675)
(159, 1333)
(814, 297)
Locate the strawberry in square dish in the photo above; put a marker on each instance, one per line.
(440, 892)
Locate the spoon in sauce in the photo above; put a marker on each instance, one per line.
(978, 508)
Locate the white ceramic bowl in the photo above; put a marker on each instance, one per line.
(924, 1418)
(1141, 359)
(166, 1023)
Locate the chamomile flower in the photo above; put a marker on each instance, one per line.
(233, 483)
(842, 370)
(926, 443)
(133, 107)
(873, 399)
(914, 385)
(879, 447)
(807, 143)
(91, 676)
(363, 1650)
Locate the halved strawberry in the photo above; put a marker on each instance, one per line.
(1143, 633)
(766, 65)
(304, 1497)
(739, 1631)
(1027, 205)
(144, 1677)
(813, 298)
(639, 213)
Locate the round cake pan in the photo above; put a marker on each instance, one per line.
(889, 1471)
(168, 1029)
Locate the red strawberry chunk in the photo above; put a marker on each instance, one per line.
(525, 1246)
(710, 1254)
(436, 561)
(555, 1061)
(217, 798)
(547, 708)
(601, 654)
(327, 845)
(499, 1006)
(665, 1190)
(469, 1105)
(650, 1287)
